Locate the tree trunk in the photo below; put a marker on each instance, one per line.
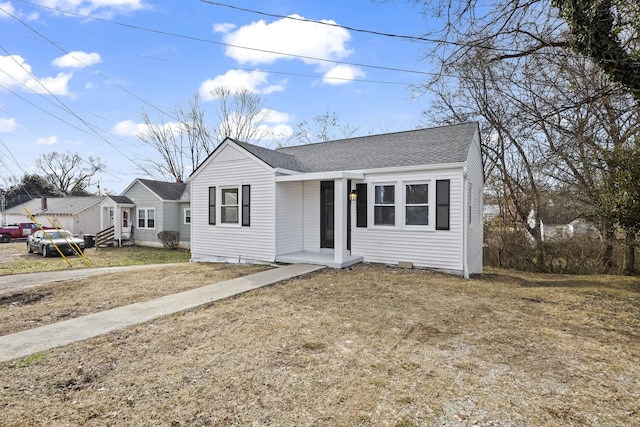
(630, 254)
(607, 240)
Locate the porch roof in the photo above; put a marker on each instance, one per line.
(319, 176)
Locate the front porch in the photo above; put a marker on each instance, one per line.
(326, 258)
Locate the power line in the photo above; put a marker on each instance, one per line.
(330, 24)
(325, 77)
(203, 40)
(96, 71)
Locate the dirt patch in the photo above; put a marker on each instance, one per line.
(366, 346)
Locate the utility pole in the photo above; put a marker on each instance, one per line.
(3, 207)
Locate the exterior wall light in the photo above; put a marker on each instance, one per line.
(353, 196)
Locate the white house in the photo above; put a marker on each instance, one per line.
(408, 198)
(144, 209)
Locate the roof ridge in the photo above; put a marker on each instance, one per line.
(376, 135)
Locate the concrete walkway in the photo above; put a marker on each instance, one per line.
(43, 338)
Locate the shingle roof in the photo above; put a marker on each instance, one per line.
(122, 200)
(446, 144)
(165, 190)
(273, 158)
(58, 205)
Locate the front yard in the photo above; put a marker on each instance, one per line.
(373, 345)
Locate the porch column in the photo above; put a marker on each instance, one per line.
(340, 225)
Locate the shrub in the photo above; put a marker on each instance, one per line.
(170, 239)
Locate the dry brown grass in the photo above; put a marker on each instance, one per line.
(367, 346)
(57, 301)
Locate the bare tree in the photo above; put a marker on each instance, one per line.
(604, 31)
(167, 141)
(68, 173)
(323, 127)
(241, 115)
(181, 141)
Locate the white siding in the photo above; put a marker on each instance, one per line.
(439, 249)
(475, 232)
(289, 214)
(224, 242)
(312, 216)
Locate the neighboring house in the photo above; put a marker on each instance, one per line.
(145, 208)
(577, 227)
(407, 198)
(78, 214)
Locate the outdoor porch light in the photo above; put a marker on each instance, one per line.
(353, 196)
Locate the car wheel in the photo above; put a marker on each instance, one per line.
(5, 238)
(29, 248)
(45, 252)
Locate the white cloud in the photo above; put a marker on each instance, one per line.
(341, 74)
(279, 131)
(77, 59)
(8, 8)
(14, 71)
(128, 128)
(131, 128)
(98, 8)
(255, 81)
(7, 125)
(288, 36)
(223, 28)
(274, 116)
(49, 140)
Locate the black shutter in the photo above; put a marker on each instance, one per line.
(212, 205)
(361, 205)
(246, 205)
(442, 204)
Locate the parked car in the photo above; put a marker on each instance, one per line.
(17, 231)
(43, 242)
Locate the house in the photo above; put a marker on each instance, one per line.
(144, 209)
(406, 198)
(78, 214)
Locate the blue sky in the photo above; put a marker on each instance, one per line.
(78, 82)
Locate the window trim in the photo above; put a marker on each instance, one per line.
(185, 216)
(426, 182)
(375, 185)
(237, 205)
(146, 218)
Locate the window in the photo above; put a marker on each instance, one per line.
(246, 205)
(212, 205)
(417, 204)
(147, 218)
(229, 206)
(442, 204)
(187, 216)
(384, 209)
(125, 219)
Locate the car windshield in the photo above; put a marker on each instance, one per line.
(59, 234)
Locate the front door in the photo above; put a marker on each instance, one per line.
(326, 214)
